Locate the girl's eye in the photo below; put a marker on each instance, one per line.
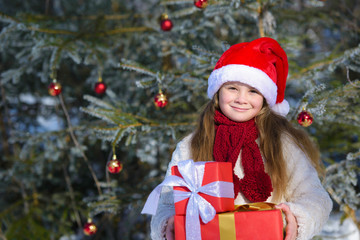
(231, 88)
(254, 91)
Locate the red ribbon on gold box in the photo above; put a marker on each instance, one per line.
(255, 221)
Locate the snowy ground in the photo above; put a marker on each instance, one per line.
(335, 230)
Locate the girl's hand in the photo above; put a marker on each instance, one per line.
(169, 231)
(292, 226)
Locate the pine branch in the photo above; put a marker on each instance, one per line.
(5, 123)
(176, 2)
(334, 59)
(91, 34)
(139, 69)
(98, 102)
(203, 52)
(127, 123)
(2, 236)
(6, 18)
(96, 113)
(52, 31)
(183, 12)
(312, 67)
(118, 136)
(113, 17)
(260, 19)
(124, 30)
(23, 194)
(73, 137)
(173, 2)
(104, 33)
(350, 81)
(72, 196)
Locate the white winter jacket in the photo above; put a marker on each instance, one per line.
(305, 195)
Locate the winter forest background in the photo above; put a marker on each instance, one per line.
(55, 149)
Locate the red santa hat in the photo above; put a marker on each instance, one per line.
(261, 63)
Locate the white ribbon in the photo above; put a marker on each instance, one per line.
(192, 174)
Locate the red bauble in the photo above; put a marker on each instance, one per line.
(89, 228)
(305, 118)
(54, 88)
(200, 3)
(166, 25)
(100, 88)
(160, 100)
(114, 166)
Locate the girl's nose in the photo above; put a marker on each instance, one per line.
(241, 97)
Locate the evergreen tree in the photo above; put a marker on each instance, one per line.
(55, 149)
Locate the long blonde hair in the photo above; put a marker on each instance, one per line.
(271, 127)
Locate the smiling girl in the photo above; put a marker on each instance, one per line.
(240, 102)
(244, 124)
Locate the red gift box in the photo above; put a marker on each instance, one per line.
(214, 171)
(248, 225)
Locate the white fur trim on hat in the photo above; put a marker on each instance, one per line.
(282, 108)
(242, 73)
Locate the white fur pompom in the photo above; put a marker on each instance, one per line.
(282, 108)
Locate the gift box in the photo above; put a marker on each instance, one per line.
(200, 189)
(243, 224)
(213, 172)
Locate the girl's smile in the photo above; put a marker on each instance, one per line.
(239, 102)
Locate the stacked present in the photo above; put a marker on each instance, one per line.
(204, 206)
(236, 225)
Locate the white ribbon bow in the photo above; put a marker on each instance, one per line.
(192, 174)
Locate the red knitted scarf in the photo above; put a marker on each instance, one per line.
(231, 137)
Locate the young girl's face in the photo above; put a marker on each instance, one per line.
(239, 102)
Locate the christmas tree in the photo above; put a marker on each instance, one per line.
(96, 94)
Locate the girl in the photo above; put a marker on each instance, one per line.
(244, 124)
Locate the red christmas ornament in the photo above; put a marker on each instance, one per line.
(160, 100)
(305, 118)
(100, 88)
(54, 88)
(166, 24)
(114, 166)
(200, 3)
(89, 228)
